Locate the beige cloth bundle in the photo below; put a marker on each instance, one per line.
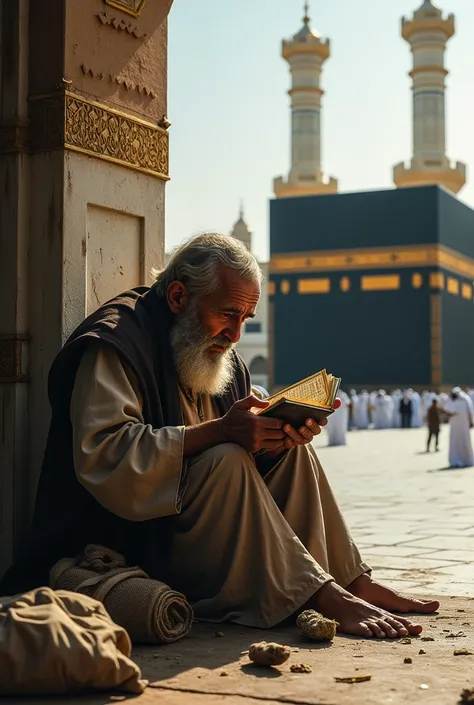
(149, 610)
(61, 642)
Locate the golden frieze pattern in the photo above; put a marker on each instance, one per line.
(70, 121)
(131, 7)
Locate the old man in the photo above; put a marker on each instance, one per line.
(153, 451)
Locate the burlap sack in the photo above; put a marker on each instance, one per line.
(150, 611)
(62, 642)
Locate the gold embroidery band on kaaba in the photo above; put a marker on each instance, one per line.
(374, 258)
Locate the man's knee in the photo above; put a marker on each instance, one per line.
(225, 460)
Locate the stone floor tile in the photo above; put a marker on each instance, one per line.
(399, 551)
(460, 555)
(460, 542)
(407, 563)
(390, 539)
(460, 573)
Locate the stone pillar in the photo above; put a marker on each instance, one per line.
(306, 54)
(82, 193)
(428, 33)
(14, 242)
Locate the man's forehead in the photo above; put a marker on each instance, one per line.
(232, 287)
(237, 299)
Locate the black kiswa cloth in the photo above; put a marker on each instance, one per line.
(137, 324)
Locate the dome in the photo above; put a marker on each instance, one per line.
(241, 230)
(306, 33)
(428, 10)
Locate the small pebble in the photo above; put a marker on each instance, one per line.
(223, 673)
(463, 652)
(218, 633)
(421, 652)
(423, 686)
(301, 668)
(272, 654)
(427, 638)
(407, 659)
(405, 641)
(467, 695)
(460, 610)
(354, 679)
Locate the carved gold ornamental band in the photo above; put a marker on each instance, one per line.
(65, 120)
(431, 255)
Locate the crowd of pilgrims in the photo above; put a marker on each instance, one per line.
(409, 409)
(399, 409)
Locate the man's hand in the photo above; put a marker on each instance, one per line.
(252, 432)
(305, 434)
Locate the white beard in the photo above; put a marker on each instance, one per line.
(198, 369)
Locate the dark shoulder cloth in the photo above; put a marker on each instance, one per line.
(137, 325)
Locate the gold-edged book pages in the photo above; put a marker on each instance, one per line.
(319, 389)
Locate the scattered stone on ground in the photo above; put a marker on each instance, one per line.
(421, 652)
(467, 695)
(405, 641)
(407, 659)
(301, 668)
(269, 654)
(314, 626)
(354, 679)
(427, 638)
(463, 652)
(219, 634)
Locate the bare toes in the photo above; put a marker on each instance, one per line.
(413, 629)
(363, 630)
(377, 630)
(388, 628)
(398, 626)
(426, 607)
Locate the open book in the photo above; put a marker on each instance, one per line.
(312, 398)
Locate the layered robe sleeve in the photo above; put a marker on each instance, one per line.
(132, 469)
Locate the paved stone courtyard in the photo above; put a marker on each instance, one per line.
(412, 518)
(414, 521)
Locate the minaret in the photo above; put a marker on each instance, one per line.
(428, 32)
(306, 53)
(241, 230)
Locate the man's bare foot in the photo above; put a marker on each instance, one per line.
(377, 594)
(357, 617)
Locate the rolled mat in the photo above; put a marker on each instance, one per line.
(150, 611)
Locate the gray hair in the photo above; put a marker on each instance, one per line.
(195, 263)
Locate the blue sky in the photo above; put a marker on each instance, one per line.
(229, 108)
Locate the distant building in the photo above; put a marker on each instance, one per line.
(253, 345)
(377, 287)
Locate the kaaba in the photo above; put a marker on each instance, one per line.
(376, 287)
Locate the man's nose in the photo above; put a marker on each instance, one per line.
(233, 332)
